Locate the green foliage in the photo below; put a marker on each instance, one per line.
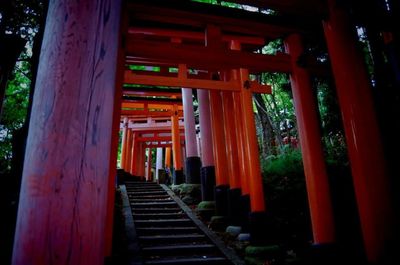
(22, 18)
(285, 195)
(219, 2)
(144, 68)
(287, 164)
(14, 112)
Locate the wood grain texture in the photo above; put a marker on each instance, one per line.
(62, 210)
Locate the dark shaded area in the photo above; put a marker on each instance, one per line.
(120, 254)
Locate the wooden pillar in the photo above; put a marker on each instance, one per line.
(251, 144)
(67, 164)
(134, 154)
(167, 161)
(124, 143)
(129, 146)
(258, 226)
(234, 194)
(242, 152)
(250, 141)
(231, 140)
(189, 122)
(207, 173)
(317, 182)
(218, 137)
(220, 159)
(192, 160)
(159, 159)
(112, 181)
(361, 130)
(176, 148)
(168, 157)
(148, 173)
(142, 158)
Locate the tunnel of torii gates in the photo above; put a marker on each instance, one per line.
(67, 193)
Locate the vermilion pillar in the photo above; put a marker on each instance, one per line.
(128, 154)
(250, 141)
(258, 220)
(167, 161)
(159, 165)
(207, 172)
(317, 182)
(142, 161)
(231, 149)
(124, 144)
(112, 180)
(242, 156)
(192, 160)
(242, 152)
(176, 148)
(218, 137)
(148, 171)
(220, 159)
(362, 135)
(67, 164)
(134, 151)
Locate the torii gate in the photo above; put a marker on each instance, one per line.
(69, 169)
(152, 134)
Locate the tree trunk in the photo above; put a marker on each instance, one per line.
(268, 133)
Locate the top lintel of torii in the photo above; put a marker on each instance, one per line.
(171, 34)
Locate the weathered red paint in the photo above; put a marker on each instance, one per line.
(67, 164)
(129, 154)
(250, 141)
(317, 182)
(231, 140)
(176, 142)
(362, 134)
(218, 136)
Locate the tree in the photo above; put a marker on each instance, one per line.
(20, 20)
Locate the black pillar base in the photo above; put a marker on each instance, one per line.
(221, 200)
(244, 211)
(193, 165)
(179, 178)
(261, 229)
(207, 175)
(234, 211)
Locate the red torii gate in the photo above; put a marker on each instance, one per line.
(71, 150)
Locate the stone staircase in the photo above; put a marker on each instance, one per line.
(169, 233)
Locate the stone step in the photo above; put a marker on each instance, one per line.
(156, 210)
(189, 260)
(167, 230)
(151, 200)
(171, 250)
(133, 196)
(143, 186)
(171, 204)
(140, 183)
(163, 222)
(145, 216)
(172, 239)
(136, 191)
(146, 193)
